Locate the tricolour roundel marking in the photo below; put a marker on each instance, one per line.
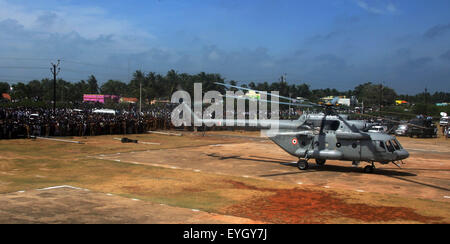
(294, 141)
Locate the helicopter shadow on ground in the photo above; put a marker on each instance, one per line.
(313, 167)
(388, 172)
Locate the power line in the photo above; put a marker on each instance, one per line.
(64, 60)
(22, 58)
(2, 76)
(90, 64)
(91, 72)
(21, 67)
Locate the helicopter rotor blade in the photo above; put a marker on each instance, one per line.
(262, 100)
(396, 113)
(248, 89)
(257, 123)
(391, 120)
(266, 93)
(334, 101)
(352, 128)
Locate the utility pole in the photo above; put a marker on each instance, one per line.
(55, 71)
(362, 109)
(426, 101)
(140, 97)
(381, 97)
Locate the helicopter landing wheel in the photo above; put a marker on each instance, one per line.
(302, 164)
(321, 162)
(369, 169)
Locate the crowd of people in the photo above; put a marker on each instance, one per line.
(26, 122)
(86, 120)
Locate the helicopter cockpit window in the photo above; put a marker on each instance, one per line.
(397, 144)
(382, 145)
(389, 146)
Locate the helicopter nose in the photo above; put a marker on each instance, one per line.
(401, 154)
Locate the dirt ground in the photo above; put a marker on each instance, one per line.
(426, 174)
(69, 205)
(219, 177)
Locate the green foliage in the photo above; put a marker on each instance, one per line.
(114, 87)
(157, 86)
(437, 97)
(426, 109)
(4, 87)
(375, 94)
(93, 85)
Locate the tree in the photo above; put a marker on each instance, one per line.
(375, 95)
(34, 90)
(114, 87)
(303, 91)
(47, 89)
(172, 82)
(93, 85)
(426, 109)
(20, 91)
(134, 86)
(63, 91)
(388, 96)
(4, 87)
(79, 89)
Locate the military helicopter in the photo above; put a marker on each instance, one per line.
(339, 139)
(336, 139)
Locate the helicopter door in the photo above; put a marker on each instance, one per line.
(356, 148)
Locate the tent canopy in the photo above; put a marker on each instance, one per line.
(104, 111)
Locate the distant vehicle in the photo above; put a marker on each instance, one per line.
(378, 128)
(443, 121)
(423, 128)
(401, 130)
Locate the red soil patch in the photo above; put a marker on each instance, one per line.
(293, 206)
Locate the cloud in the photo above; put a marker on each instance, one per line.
(88, 21)
(33, 37)
(391, 8)
(346, 55)
(377, 7)
(437, 31)
(47, 19)
(232, 63)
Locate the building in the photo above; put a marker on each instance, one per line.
(156, 101)
(100, 98)
(342, 100)
(6, 96)
(128, 100)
